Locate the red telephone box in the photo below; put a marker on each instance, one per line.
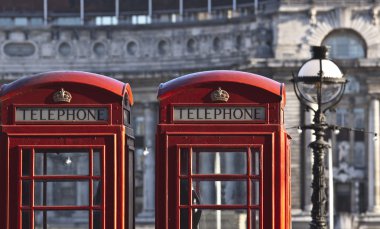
(222, 160)
(66, 152)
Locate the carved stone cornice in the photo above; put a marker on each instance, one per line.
(373, 84)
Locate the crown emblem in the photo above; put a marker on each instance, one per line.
(219, 95)
(62, 96)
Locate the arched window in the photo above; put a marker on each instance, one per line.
(345, 44)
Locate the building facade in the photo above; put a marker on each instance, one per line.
(146, 43)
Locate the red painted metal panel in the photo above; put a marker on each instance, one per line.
(174, 86)
(72, 77)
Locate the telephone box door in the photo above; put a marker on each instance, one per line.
(61, 183)
(224, 179)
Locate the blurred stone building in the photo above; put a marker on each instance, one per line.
(145, 42)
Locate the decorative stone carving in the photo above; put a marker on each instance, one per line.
(64, 49)
(99, 48)
(216, 44)
(375, 16)
(191, 45)
(19, 49)
(163, 47)
(132, 48)
(239, 44)
(313, 17)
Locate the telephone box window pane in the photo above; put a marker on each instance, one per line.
(184, 192)
(184, 158)
(26, 193)
(223, 219)
(61, 193)
(52, 162)
(221, 192)
(26, 157)
(255, 219)
(96, 163)
(214, 161)
(255, 192)
(97, 220)
(184, 218)
(127, 117)
(65, 219)
(25, 219)
(255, 161)
(97, 195)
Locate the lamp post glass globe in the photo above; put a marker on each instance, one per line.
(319, 80)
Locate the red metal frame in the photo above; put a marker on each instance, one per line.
(108, 151)
(248, 177)
(89, 178)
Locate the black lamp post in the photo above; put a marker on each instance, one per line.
(319, 85)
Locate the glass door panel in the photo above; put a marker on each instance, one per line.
(53, 162)
(225, 187)
(219, 161)
(61, 188)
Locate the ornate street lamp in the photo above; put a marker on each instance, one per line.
(319, 85)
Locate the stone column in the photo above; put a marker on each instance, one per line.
(45, 12)
(209, 8)
(180, 9)
(117, 9)
(373, 158)
(82, 12)
(150, 8)
(308, 162)
(147, 215)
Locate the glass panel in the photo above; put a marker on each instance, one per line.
(214, 161)
(61, 193)
(221, 192)
(26, 156)
(127, 117)
(26, 193)
(255, 192)
(255, 161)
(97, 220)
(25, 219)
(345, 45)
(222, 219)
(96, 163)
(184, 161)
(184, 218)
(255, 219)
(97, 195)
(52, 162)
(63, 219)
(184, 194)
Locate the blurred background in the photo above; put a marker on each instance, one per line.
(146, 42)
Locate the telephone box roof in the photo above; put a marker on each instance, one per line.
(173, 86)
(85, 78)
